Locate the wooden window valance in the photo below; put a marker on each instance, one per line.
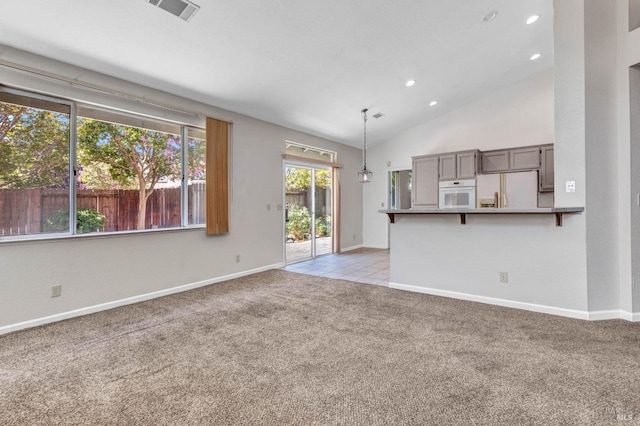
(217, 177)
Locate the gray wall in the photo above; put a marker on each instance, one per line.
(601, 154)
(95, 270)
(634, 14)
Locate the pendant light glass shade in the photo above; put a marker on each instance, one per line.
(364, 175)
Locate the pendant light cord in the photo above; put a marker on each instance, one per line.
(364, 150)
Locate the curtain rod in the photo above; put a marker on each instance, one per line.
(93, 87)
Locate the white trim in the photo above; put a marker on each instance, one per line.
(130, 300)
(377, 247)
(342, 250)
(630, 316)
(607, 315)
(552, 310)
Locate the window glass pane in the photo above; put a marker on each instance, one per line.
(34, 165)
(130, 176)
(196, 175)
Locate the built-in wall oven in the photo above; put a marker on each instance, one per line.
(457, 194)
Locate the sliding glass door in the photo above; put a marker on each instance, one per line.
(308, 230)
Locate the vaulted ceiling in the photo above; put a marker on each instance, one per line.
(308, 65)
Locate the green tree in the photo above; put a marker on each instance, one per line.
(34, 147)
(97, 175)
(196, 152)
(299, 179)
(135, 157)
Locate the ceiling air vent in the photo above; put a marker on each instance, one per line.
(183, 9)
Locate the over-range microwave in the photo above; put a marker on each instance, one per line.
(457, 194)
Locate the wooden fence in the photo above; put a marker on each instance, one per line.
(299, 198)
(24, 211)
(302, 199)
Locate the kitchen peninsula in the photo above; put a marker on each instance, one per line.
(509, 251)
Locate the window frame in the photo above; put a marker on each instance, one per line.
(74, 108)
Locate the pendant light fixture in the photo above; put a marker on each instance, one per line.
(364, 175)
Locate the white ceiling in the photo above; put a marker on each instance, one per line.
(308, 65)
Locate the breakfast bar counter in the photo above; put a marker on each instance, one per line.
(557, 211)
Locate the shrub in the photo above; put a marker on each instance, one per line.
(88, 220)
(323, 226)
(299, 224)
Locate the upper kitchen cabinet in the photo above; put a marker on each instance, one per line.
(459, 165)
(546, 168)
(511, 160)
(495, 161)
(524, 158)
(424, 187)
(448, 169)
(467, 164)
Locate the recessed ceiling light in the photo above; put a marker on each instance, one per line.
(411, 83)
(490, 16)
(433, 103)
(535, 56)
(532, 19)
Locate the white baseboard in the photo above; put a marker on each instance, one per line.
(630, 316)
(377, 247)
(342, 250)
(128, 301)
(605, 315)
(545, 309)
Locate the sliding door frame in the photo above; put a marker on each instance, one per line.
(313, 165)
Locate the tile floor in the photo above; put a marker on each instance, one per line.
(365, 265)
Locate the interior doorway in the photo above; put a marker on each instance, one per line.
(308, 212)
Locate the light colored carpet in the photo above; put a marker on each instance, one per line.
(280, 348)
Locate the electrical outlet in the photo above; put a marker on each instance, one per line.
(56, 290)
(268, 207)
(571, 186)
(279, 207)
(237, 258)
(382, 204)
(504, 277)
(354, 237)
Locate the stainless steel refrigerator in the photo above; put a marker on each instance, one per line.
(507, 190)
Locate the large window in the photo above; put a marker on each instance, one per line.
(34, 165)
(130, 173)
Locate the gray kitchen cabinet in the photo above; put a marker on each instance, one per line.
(459, 165)
(546, 175)
(448, 169)
(495, 161)
(424, 186)
(466, 164)
(524, 158)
